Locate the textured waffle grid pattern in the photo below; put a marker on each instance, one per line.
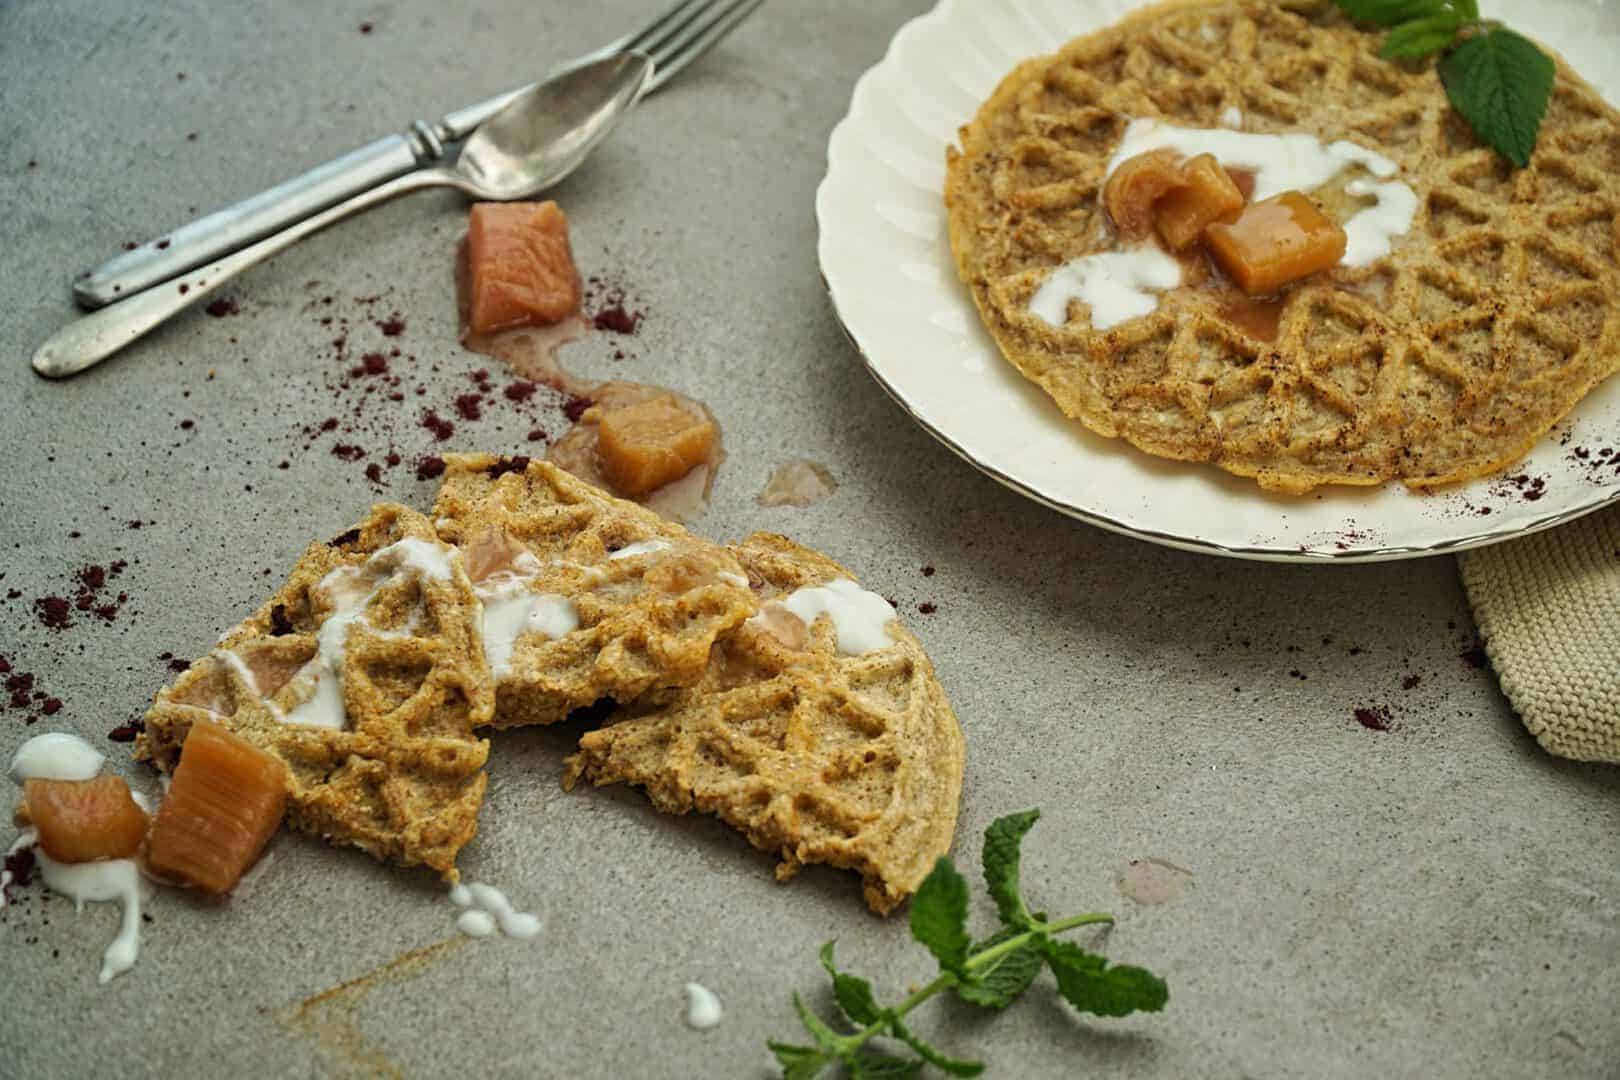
(1444, 361)
(852, 761)
(645, 622)
(404, 779)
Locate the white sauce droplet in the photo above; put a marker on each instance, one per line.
(56, 755)
(703, 1009)
(1117, 285)
(640, 547)
(349, 589)
(860, 618)
(102, 882)
(1292, 162)
(486, 908)
(1370, 233)
(1232, 117)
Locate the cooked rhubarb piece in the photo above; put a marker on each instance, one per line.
(225, 802)
(1135, 186)
(520, 270)
(1275, 242)
(1205, 196)
(84, 820)
(649, 444)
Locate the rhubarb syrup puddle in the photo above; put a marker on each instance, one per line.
(578, 450)
(1259, 318)
(530, 351)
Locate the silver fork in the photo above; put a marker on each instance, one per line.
(673, 39)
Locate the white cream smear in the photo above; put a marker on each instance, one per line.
(56, 756)
(1118, 286)
(702, 1007)
(860, 617)
(640, 547)
(511, 610)
(486, 908)
(59, 756)
(1122, 285)
(349, 590)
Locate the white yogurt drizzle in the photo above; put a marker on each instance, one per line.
(1117, 285)
(349, 590)
(703, 1009)
(1370, 233)
(59, 756)
(1122, 285)
(56, 755)
(640, 547)
(860, 618)
(485, 907)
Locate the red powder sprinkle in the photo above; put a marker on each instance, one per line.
(1374, 717)
(348, 452)
(53, 611)
(365, 28)
(617, 319)
(329, 424)
(392, 326)
(467, 406)
(393, 458)
(51, 706)
(162, 245)
(92, 577)
(20, 865)
(187, 425)
(1411, 682)
(537, 435)
(928, 571)
(927, 607)
(178, 665)
(1475, 657)
(280, 625)
(506, 465)
(348, 536)
(222, 307)
(522, 390)
(442, 429)
(373, 363)
(127, 732)
(428, 468)
(575, 408)
(374, 473)
(184, 288)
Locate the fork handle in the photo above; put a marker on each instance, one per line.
(90, 339)
(224, 231)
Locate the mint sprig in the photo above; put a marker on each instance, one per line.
(1499, 81)
(990, 973)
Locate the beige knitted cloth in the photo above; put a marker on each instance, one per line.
(1548, 609)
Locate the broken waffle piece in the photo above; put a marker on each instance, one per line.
(585, 596)
(819, 730)
(225, 802)
(85, 820)
(365, 676)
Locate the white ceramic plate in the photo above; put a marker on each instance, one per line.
(887, 264)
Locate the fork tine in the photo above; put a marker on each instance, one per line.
(651, 38)
(695, 38)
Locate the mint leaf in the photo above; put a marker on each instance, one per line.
(1090, 984)
(950, 1065)
(798, 1062)
(1421, 37)
(939, 917)
(999, 986)
(871, 1065)
(1390, 12)
(1500, 83)
(1469, 9)
(1002, 843)
(826, 1038)
(854, 994)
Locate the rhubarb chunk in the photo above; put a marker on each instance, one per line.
(1205, 196)
(85, 820)
(226, 801)
(520, 269)
(1275, 242)
(1135, 186)
(649, 444)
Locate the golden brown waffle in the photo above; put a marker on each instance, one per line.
(854, 761)
(403, 779)
(645, 621)
(1444, 361)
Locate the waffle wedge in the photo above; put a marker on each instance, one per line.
(1444, 360)
(815, 754)
(365, 674)
(586, 596)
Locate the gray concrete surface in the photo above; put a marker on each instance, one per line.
(1436, 900)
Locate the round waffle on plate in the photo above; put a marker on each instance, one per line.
(1443, 361)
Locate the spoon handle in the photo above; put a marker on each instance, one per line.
(92, 338)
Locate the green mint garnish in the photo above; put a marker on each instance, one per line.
(991, 973)
(1499, 81)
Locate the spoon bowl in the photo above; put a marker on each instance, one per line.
(541, 136)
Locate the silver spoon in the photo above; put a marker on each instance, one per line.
(531, 144)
